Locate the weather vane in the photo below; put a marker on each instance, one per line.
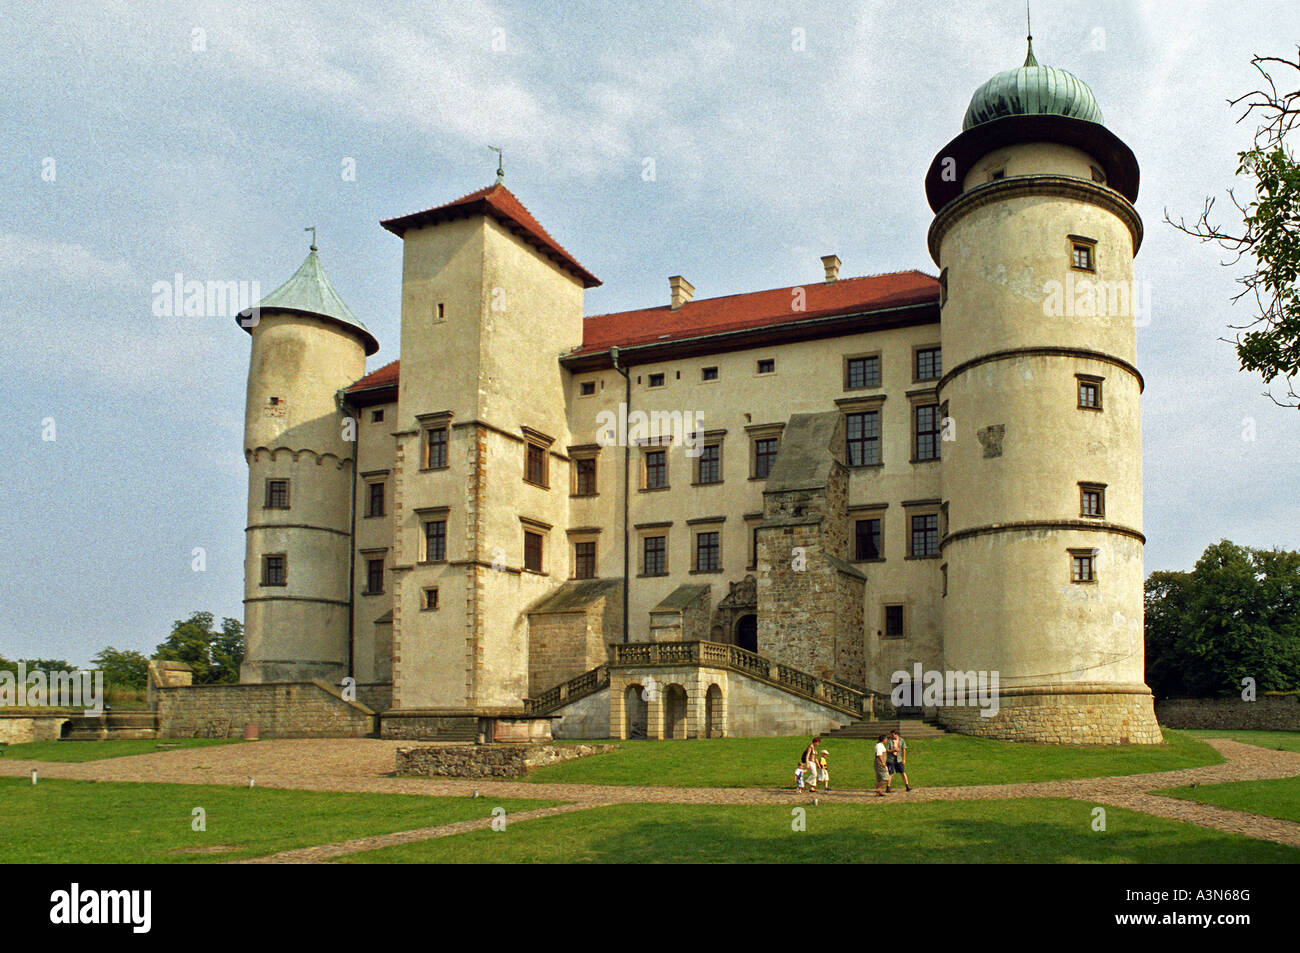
(501, 172)
(312, 229)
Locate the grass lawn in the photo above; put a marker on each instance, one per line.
(1277, 740)
(86, 822)
(98, 750)
(1025, 830)
(1279, 797)
(936, 762)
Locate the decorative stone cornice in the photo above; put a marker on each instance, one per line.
(1089, 526)
(1010, 353)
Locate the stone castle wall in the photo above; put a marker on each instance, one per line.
(1266, 713)
(1070, 717)
(279, 709)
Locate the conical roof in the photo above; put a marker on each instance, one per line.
(309, 292)
(1032, 90)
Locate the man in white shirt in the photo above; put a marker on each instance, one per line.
(882, 768)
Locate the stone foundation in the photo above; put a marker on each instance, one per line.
(1061, 715)
(280, 710)
(488, 761)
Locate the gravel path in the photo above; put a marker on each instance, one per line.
(366, 765)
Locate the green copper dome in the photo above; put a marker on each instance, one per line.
(310, 292)
(1032, 90)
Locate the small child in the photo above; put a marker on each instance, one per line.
(823, 773)
(798, 776)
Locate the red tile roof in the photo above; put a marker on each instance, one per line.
(500, 203)
(756, 309)
(739, 312)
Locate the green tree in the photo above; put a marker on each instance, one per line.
(213, 655)
(1236, 615)
(1269, 344)
(122, 668)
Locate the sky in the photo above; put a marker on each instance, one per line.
(143, 140)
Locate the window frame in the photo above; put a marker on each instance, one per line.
(283, 564)
(848, 363)
(270, 503)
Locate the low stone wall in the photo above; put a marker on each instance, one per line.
(1266, 713)
(488, 761)
(585, 718)
(1066, 717)
(377, 696)
(279, 709)
(17, 728)
(756, 709)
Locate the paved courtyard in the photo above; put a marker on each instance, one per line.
(366, 765)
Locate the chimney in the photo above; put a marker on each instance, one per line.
(682, 290)
(832, 265)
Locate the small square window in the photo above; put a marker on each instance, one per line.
(587, 388)
(275, 570)
(997, 174)
(767, 365)
(860, 372)
(893, 622)
(277, 494)
(655, 380)
(1089, 393)
(1092, 500)
(1082, 566)
(429, 599)
(1081, 255)
(709, 374)
(376, 416)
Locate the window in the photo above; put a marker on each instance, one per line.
(656, 380)
(1097, 175)
(585, 479)
(997, 174)
(435, 541)
(753, 547)
(862, 437)
(375, 499)
(435, 455)
(656, 469)
(867, 541)
(376, 416)
(943, 287)
(709, 374)
(925, 535)
(584, 560)
(1082, 567)
(1089, 392)
(929, 363)
(707, 554)
(532, 551)
(893, 622)
(655, 555)
(710, 464)
(764, 456)
(767, 365)
(927, 432)
(587, 388)
(429, 598)
(277, 494)
(943, 571)
(1082, 253)
(860, 372)
(535, 464)
(439, 312)
(374, 577)
(1092, 499)
(275, 570)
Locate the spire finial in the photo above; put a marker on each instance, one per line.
(1029, 39)
(312, 229)
(501, 172)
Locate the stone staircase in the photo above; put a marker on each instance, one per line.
(911, 724)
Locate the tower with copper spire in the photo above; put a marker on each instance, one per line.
(1035, 235)
(306, 347)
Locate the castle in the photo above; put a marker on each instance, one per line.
(738, 515)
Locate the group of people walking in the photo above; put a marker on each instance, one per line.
(890, 759)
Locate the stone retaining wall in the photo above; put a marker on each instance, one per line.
(17, 729)
(1064, 718)
(488, 761)
(279, 709)
(1266, 713)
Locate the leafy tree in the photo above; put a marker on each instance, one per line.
(46, 665)
(1270, 231)
(122, 668)
(1236, 615)
(213, 655)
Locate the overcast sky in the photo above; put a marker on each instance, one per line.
(134, 148)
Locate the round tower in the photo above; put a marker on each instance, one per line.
(1034, 235)
(307, 346)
